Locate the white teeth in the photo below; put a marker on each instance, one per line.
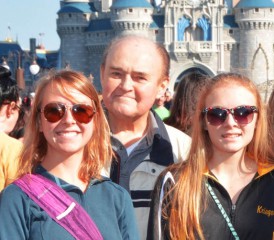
(67, 134)
(231, 135)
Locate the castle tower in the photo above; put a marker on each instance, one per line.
(132, 16)
(102, 5)
(73, 19)
(256, 22)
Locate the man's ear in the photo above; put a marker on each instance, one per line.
(11, 109)
(162, 87)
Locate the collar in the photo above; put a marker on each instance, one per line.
(161, 152)
(157, 137)
(263, 169)
(61, 183)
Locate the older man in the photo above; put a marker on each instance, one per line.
(134, 72)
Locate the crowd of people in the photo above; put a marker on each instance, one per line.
(137, 162)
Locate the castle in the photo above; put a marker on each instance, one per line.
(210, 36)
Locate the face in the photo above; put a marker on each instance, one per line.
(131, 78)
(230, 136)
(66, 136)
(160, 101)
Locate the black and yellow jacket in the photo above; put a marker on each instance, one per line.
(252, 216)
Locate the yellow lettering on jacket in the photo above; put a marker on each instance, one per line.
(267, 212)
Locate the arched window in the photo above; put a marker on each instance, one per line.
(183, 23)
(205, 25)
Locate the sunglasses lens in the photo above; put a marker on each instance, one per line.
(216, 116)
(243, 115)
(82, 113)
(53, 112)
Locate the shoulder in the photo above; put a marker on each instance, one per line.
(6, 140)
(12, 197)
(9, 147)
(180, 142)
(12, 191)
(107, 187)
(170, 174)
(176, 133)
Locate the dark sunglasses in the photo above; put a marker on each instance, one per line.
(242, 114)
(82, 113)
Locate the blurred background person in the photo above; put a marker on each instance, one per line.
(270, 118)
(160, 109)
(19, 129)
(9, 113)
(169, 97)
(184, 101)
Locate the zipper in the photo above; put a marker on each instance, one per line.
(233, 211)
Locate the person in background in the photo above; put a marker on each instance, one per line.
(67, 141)
(184, 101)
(270, 118)
(225, 188)
(160, 109)
(134, 72)
(9, 112)
(169, 98)
(19, 128)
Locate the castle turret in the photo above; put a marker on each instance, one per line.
(131, 16)
(73, 20)
(256, 22)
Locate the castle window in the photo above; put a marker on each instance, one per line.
(145, 10)
(130, 10)
(156, 32)
(182, 25)
(205, 25)
(69, 15)
(271, 10)
(242, 10)
(230, 31)
(256, 9)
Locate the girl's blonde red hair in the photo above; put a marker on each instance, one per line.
(189, 192)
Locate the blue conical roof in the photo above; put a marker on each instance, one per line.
(77, 7)
(131, 4)
(255, 4)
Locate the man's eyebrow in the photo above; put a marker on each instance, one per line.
(133, 72)
(140, 73)
(116, 68)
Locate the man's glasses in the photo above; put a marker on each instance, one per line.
(241, 114)
(20, 108)
(82, 113)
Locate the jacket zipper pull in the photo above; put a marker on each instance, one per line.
(233, 209)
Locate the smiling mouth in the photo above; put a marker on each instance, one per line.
(67, 134)
(231, 135)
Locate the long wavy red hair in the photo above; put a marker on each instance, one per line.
(189, 193)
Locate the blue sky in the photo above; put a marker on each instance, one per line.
(30, 19)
